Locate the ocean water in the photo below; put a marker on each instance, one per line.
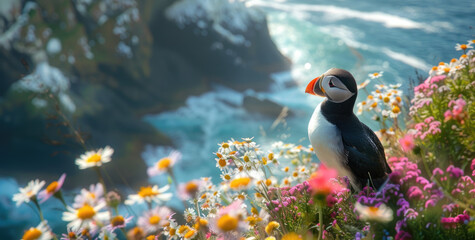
(399, 38)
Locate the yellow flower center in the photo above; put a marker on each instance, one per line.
(222, 162)
(253, 220)
(286, 169)
(396, 109)
(225, 145)
(172, 232)
(86, 212)
(264, 160)
(271, 226)
(446, 70)
(52, 187)
(31, 234)
(363, 103)
(227, 177)
(373, 211)
(154, 220)
(203, 222)
(463, 46)
(370, 97)
(464, 56)
(117, 221)
(227, 223)
(258, 195)
(271, 156)
(190, 234)
(286, 181)
(147, 192)
(398, 99)
(434, 68)
(239, 182)
(246, 158)
(150, 237)
(219, 155)
(95, 158)
(375, 74)
(164, 163)
(441, 63)
(453, 60)
(295, 174)
(386, 99)
(375, 104)
(191, 187)
(268, 182)
(182, 229)
(291, 236)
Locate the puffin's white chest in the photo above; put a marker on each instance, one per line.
(326, 141)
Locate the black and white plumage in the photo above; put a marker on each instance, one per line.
(338, 138)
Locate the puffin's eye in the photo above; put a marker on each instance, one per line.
(330, 83)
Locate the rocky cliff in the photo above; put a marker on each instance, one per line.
(90, 70)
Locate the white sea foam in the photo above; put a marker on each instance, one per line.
(337, 13)
(409, 60)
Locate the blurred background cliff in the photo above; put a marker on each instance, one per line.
(105, 64)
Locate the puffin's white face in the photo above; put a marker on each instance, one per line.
(334, 89)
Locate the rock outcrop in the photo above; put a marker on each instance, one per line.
(116, 62)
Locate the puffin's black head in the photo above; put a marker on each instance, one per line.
(336, 84)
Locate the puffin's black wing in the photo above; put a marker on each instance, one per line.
(365, 155)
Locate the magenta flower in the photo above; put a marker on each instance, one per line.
(52, 188)
(454, 172)
(415, 192)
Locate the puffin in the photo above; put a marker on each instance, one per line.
(338, 138)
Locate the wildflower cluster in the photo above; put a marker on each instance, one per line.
(279, 192)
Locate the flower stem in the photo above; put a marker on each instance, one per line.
(35, 201)
(320, 220)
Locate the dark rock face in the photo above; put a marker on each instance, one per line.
(262, 106)
(153, 65)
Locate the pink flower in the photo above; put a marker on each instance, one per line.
(190, 189)
(448, 222)
(415, 192)
(402, 235)
(322, 182)
(454, 172)
(407, 142)
(437, 171)
(472, 167)
(52, 188)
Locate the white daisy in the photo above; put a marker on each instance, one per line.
(95, 158)
(364, 84)
(463, 47)
(375, 75)
(92, 197)
(41, 232)
(163, 165)
(377, 214)
(155, 219)
(86, 216)
(149, 194)
(29, 192)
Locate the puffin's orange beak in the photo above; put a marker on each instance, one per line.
(311, 87)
